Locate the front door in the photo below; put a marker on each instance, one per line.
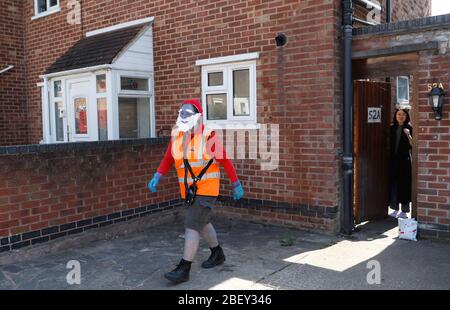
(371, 102)
(81, 110)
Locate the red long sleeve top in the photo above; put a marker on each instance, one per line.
(216, 148)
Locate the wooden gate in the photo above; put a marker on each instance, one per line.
(371, 107)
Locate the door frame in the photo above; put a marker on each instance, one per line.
(390, 66)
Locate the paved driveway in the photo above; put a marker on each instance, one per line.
(255, 260)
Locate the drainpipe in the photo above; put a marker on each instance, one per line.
(347, 156)
(388, 11)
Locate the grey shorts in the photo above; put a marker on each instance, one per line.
(199, 213)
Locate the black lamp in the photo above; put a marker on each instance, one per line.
(437, 95)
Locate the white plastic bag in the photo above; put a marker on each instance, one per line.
(407, 229)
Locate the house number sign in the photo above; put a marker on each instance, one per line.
(374, 115)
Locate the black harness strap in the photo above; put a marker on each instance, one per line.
(187, 167)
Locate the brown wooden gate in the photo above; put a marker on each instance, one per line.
(371, 104)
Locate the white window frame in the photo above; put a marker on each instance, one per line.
(53, 101)
(50, 9)
(227, 88)
(403, 101)
(132, 94)
(105, 96)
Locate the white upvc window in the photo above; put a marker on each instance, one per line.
(57, 109)
(102, 106)
(134, 105)
(45, 7)
(403, 90)
(229, 94)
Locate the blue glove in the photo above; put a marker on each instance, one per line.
(154, 181)
(238, 191)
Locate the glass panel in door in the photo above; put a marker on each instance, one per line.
(80, 108)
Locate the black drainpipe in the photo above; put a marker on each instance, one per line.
(388, 11)
(347, 156)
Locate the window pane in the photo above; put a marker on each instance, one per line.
(80, 105)
(128, 83)
(216, 106)
(215, 79)
(134, 118)
(241, 93)
(59, 121)
(101, 83)
(102, 119)
(42, 6)
(57, 91)
(402, 89)
(53, 3)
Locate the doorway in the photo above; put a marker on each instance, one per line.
(383, 69)
(372, 105)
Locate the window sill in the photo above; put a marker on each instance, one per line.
(233, 126)
(47, 13)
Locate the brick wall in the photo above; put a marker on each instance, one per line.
(410, 9)
(298, 85)
(400, 10)
(13, 125)
(432, 137)
(48, 192)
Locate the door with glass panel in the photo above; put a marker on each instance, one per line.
(81, 111)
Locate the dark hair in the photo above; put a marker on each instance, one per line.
(408, 119)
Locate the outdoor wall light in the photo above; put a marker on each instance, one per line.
(437, 95)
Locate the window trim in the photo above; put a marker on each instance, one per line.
(133, 93)
(403, 101)
(228, 68)
(50, 9)
(52, 101)
(117, 93)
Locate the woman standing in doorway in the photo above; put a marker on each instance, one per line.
(400, 177)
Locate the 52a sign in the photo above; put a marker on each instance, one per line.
(373, 115)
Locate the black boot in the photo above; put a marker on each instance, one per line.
(181, 273)
(216, 258)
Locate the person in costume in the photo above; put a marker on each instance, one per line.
(196, 153)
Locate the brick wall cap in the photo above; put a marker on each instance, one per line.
(48, 148)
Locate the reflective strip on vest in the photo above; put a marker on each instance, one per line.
(197, 164)
(212, 175)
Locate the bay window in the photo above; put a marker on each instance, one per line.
(100, 106)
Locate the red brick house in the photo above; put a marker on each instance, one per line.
(110, 75)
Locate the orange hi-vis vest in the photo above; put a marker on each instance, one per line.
(196, 153)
